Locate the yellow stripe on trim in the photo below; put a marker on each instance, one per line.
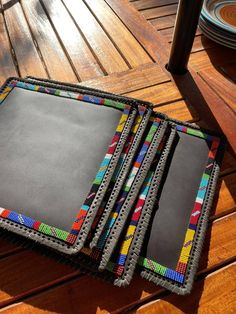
(122, 122)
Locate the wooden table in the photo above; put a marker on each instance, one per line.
(108, 44)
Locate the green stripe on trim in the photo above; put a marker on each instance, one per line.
(61, 234)
(113, 103)
(206, 176)
(157, 267)
(97, 181)
(151, 133)
(196, 133)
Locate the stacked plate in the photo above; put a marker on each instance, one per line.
(218, 21)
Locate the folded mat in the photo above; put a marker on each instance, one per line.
(164, 236)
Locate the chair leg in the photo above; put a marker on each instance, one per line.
(185, 28)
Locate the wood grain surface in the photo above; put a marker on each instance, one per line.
(122, 46)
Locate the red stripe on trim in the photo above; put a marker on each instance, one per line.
(5, 213)
(36, 225)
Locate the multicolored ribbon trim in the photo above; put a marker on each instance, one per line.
(119, 266)
(121, 160)
(96, 252)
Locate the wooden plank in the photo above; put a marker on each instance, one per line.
(202, 43)
(230, 71)
(228, 163)
(209, 106)
(168, 33)
(147, 4)
(164, 22)
(128, 46)
(225, 201)
(160, 11)
(212, 251)
(223, 87)
(157, 94)
(28, 272)
(27, 56)
(55, 59)
(143, 31)
(6, 59)
(223, 115)
(80, 55)
(217, 56)
(104, 297)
(102, 46)
(220, 243)
(7, 247)
(179, 110)
(197, 92)
(73, 297)
(85, 295)
(216, 293)
(127, 81)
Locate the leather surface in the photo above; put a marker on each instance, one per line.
(51, 148)
(180, 185)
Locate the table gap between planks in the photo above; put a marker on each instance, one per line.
(122, 47)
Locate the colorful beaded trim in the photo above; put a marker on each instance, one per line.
(122, 158)
(71, 236)
(96, 252)
(178, 274)
(119, 266)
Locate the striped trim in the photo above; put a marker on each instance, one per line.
(57, 92)
(69, 237)
(179, 273)
(128, 238)
(126, 188)
(36, 225)
(4, 93)
(118, 268)
(1, 210)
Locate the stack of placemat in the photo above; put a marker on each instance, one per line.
(105, 181)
